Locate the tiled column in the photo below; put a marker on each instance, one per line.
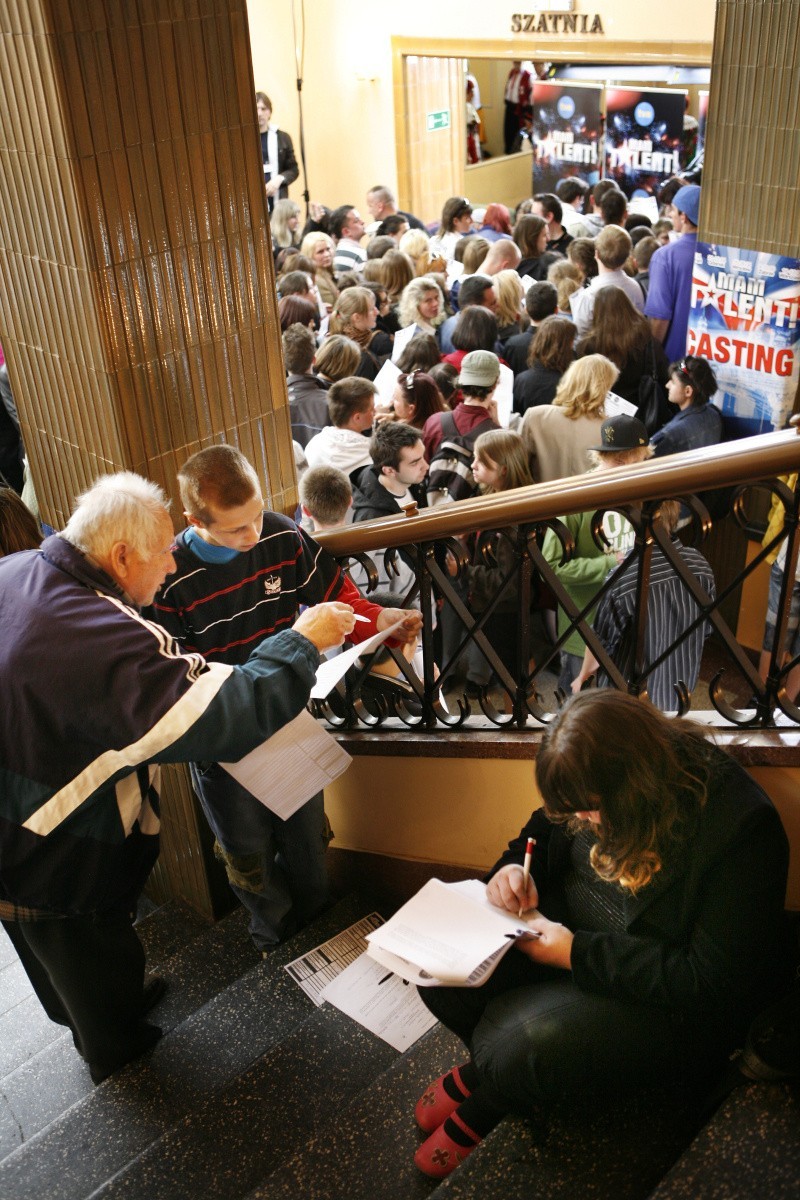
(753, 135)
(137, 305)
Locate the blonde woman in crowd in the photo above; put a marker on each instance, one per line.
(397, 271)
(421, 310)
(558, 436)
(509, 290)
(566, 278)
(319, 248)
(355, 314)
(417, 245)
(284, 224)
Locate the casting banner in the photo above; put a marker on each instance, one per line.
(745, 319)
(643, 138)
(566, 133)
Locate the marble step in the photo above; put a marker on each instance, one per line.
(749, 1150)
(366, 1150)
(48, 1076)
(203, 1050)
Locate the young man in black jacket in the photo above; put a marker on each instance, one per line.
(396, 476)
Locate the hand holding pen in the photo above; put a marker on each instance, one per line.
(512, 888)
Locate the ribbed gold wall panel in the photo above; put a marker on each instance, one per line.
(137, 305)
(752, 159)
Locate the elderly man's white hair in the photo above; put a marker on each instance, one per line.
(118, 508)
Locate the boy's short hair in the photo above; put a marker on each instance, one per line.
(550, 204)
(347, 396)
(613, 206)
(541, 300)
(218, 475)
(613, 246)
(326, 494)
(299, 348)
(387, 442)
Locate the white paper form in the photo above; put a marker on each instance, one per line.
(616, 406)
(381, 1002)
(292, 766)
(332, 670)
(314, 970)
(447, 934)
(386, 381)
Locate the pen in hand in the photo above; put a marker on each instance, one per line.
(526, 870)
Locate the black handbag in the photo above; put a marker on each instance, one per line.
(653, 406)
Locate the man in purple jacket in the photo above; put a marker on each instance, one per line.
(94, 698)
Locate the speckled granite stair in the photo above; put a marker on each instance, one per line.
(365, 1151)
(618, 1153)
(611, 1152)
(198, 959)
(113, 1124)
(749, 1150)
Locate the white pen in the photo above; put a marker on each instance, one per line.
(526, 869)
(358, 617)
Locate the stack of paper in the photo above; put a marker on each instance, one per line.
(448, 934)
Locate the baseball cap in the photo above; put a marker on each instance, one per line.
(687, 201)
(622, 433)
(479, 368)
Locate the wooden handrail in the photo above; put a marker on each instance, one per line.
(725, 465)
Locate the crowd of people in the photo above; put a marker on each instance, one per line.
(547, 323)
(422, 368)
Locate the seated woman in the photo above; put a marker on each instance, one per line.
(691, 385)
(549, 356)
(355, 314)
(623, 334)
(421, 310)
(659, 869)
(558, 436)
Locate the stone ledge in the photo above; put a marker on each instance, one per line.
(480, 739)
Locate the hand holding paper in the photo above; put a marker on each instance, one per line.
(326, 625)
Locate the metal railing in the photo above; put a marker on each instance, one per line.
(517, 697)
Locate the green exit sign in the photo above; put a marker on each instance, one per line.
(439, 120)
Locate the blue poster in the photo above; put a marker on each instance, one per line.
(745, 319)
(643, 138)
(566, 133)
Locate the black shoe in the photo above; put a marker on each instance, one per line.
(153, 993)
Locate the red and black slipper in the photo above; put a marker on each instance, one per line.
(440, 1099)
(446, 1148)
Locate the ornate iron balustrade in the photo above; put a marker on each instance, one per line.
(428, 543)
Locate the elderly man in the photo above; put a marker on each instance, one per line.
(94, 697)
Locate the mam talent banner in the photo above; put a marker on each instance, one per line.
(643, 138)
(745, 319)
(566, 134)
